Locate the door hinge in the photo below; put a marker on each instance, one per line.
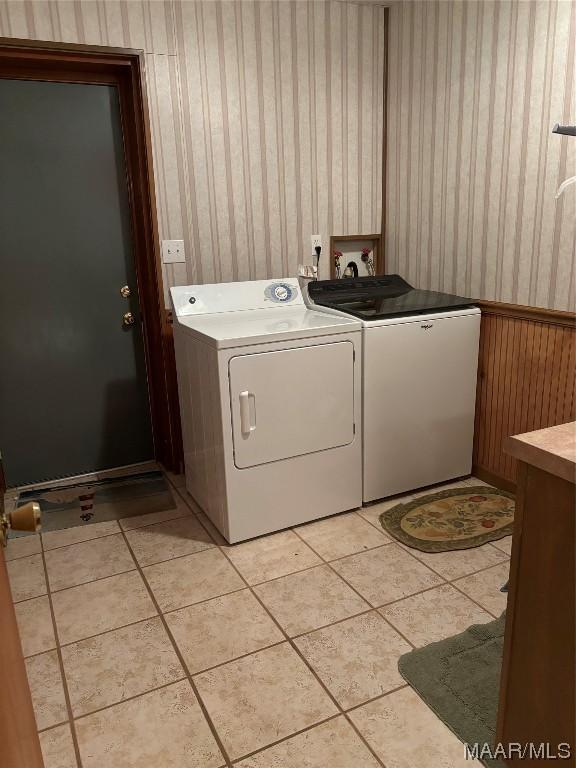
(354, 429)
(353, 355)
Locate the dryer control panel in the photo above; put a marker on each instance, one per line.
(280, 293)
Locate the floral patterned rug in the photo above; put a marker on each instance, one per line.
(459, 518)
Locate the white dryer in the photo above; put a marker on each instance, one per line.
(270, 401)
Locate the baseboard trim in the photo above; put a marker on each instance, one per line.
(495, 480)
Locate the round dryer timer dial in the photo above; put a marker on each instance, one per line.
(279, 292)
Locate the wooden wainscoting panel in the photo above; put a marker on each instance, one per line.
(526, 381)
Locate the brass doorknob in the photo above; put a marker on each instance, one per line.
(25, 518)
(128, 318)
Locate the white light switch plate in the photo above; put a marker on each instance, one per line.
(173, 251)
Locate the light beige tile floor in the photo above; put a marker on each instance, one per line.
(434, 615)
(58, 747)
(165, 727)
(93, 608)
(22, 546)
(505, 545)
(262, 698)
(222, 629)
(333, 744)
(341, 535)
(310, 599)
(138, 521)
(90, 560)
(35, 625)
(272, 556)
(357, 659)
(280, 652)
(484, 587)
(187, 580)
(78, 534)
(118, 665)
(405, 733)
(453, 565)
(164, 541)
(27, 577)
(386, 574)
(45, 680)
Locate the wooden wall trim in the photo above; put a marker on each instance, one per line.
(554, 316)
(526, 381)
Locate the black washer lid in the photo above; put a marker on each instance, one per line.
(370, 298)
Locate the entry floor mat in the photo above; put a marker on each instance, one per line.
(458, 518)
(100, 501)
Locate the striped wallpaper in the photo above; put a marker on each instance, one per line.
(472, 166)
(266, 117)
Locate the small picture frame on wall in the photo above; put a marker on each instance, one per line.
(355, 256)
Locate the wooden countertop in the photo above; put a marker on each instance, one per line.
(552, 449)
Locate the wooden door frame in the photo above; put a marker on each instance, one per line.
(123, 68)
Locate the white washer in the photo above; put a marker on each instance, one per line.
(420, 359)
(270, 405)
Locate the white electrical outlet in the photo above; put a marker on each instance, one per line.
(173, 251)
(316, 241)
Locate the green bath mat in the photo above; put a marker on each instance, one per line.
(459, 679)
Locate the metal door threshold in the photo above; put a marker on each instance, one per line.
(104, 474)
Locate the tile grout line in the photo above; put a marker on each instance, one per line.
(56, 725)
(65, 690)
(255, 752)
(139, 568)
(20, 557)
(505, 558)
(131, 698)
(90, 581)
(131, 623)
(176, 557)
(374, 608)
(315, 674)
(328, 563)
(445, 581)
(422, 591)
(188, 677)
(83, 541)
(308, 666)
(378, 607)
(223, 549)
(474, 600)
(381, 696)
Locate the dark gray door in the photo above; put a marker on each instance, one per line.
(73, 390)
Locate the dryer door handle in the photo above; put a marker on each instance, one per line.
(247, 422)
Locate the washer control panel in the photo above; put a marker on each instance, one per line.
(280, 293)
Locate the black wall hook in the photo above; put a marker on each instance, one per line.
(565, 130)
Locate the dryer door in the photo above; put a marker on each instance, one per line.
(291, 402)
